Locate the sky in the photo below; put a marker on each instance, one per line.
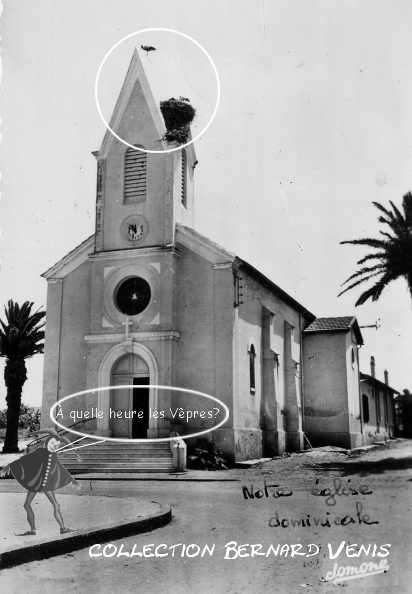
(314, 124)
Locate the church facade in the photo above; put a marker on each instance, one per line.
(146, 300)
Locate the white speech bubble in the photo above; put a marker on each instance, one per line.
(132, 439)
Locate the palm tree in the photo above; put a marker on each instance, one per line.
(393, 258)
(21, 337)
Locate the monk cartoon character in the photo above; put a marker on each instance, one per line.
(41, 471)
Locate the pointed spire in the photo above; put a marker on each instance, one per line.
(135, 75)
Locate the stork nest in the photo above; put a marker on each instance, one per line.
(178, 115)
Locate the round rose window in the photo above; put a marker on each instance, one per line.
(132, 296)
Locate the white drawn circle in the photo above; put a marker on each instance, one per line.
(149, 30)
(53, 408)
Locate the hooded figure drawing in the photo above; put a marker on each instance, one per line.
(41, 471)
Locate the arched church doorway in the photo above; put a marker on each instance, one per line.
(129, 407)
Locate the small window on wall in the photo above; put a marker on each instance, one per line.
(252, 374)
(183, 195)
(353, 357)
(365, 408)
(378, 409)
(385, 410)
(135, 165)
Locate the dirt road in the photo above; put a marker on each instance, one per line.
(322, 502)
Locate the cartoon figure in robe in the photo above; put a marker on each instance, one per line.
(40, 471)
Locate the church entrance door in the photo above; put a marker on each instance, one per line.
(129, 407)
(140, 422)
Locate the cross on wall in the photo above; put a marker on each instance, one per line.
(128, 322)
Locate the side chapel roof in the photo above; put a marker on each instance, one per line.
(336, 324)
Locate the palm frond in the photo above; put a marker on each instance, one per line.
(33, 321)
(407, 208)
(394, 258)
(382, 219)
(391, 218)
(397, 212)
(376, 256)
(382, 208)
(363, 271)
(359, 281)
(388, 235)
(22, 332)
(369, 241)
(375, 291)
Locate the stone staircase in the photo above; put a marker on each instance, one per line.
(112, 457)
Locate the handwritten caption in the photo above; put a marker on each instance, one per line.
(330, 495)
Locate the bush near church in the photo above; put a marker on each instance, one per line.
(29, 419)
(205, 456)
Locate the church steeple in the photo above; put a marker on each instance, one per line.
(140, 195)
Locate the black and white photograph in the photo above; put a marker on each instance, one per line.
(205, 296)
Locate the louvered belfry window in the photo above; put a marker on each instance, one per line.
(135, 163)
(184, 179)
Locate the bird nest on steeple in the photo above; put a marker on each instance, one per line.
(178, 115)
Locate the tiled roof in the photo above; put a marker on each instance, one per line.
(364, 377)
(340, 324)
(330, 324)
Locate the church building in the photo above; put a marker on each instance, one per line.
(147, 300)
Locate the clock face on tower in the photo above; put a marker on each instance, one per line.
(132, 295)
(134, 228)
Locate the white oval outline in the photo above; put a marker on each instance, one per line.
(138, 440)
(167, 30)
